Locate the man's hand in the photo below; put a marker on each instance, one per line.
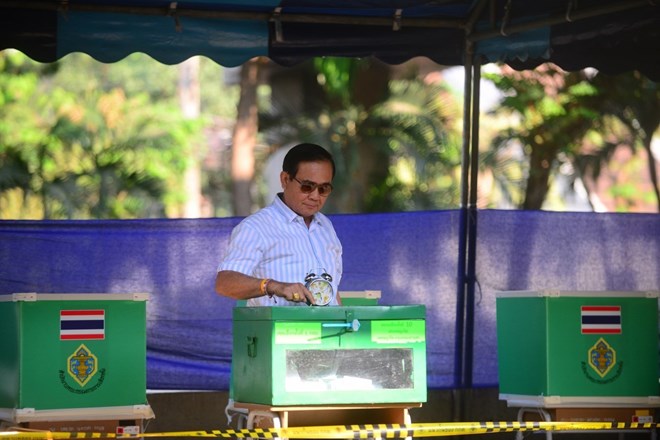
(295, 292)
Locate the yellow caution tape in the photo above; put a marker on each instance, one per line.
(379, 431)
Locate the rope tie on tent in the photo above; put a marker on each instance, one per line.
(396, 23)
(277, 19)
(172, 12)
(569, 9)
(506, 18)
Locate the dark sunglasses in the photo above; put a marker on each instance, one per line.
(307, 187)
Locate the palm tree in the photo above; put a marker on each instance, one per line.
(394, 146)
(95, 154)
(117, 157)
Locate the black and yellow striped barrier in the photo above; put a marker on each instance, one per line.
(349, 431)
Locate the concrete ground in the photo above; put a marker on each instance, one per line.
(198, 411)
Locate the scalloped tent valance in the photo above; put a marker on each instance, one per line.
(612, 36)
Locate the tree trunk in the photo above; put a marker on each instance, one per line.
(189, 100)
(370, 87)
(652, 168)
(245, 139)
(540, 164)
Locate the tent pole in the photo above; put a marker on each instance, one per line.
(466, 277)
(459, 339)
(471, 277)
(467, 227)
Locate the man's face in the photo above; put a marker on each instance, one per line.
(308, 204)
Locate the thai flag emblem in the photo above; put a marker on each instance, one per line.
(601, 320)
(82, 324)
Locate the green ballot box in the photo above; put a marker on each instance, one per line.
(73, 357)
(578, 349)
(329, 355)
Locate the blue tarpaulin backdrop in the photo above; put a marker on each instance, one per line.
(410, 257)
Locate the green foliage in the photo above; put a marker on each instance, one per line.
(78, 149)
(550, 120)
(409, 135)
(335, 75)
(82, 139)
(574, 119)
(424, 153)
(140, 74)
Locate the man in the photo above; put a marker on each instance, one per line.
(272, 251)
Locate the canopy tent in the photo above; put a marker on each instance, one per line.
(611, 36)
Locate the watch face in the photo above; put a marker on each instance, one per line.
(322, 291)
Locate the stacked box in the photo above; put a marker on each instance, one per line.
(329, 355)
(73, 357)
(578, 349)
(360, 297)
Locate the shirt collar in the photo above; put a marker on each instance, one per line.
(287, 212)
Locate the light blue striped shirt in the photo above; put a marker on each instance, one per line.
(275, 243)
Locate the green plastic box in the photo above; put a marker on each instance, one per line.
(578, 349)
(329, 355)
(360, 297)
(73, 357)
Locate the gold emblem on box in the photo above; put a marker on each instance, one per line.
(602, 357)
(82, 365)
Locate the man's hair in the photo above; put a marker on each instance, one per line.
(306, 153)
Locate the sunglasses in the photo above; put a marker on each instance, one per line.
(307, 187)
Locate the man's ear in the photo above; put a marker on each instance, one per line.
(284, 176)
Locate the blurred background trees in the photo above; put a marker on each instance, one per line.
(74, 144)
(569, 127)
(138, 139)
